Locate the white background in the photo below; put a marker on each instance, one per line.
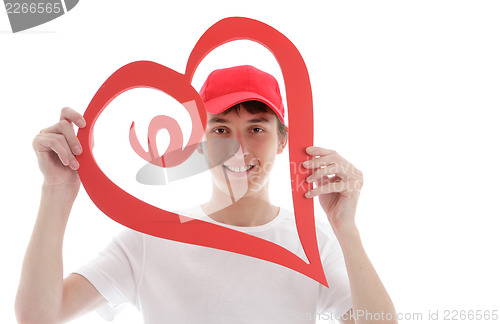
(406, 90)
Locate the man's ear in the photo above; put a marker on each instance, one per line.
(282, 144)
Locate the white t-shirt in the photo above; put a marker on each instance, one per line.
(173, 282)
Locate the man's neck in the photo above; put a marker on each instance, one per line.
(250, 210)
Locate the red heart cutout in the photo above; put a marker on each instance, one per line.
(140, 216)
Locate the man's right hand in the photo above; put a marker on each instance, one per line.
(56, 148)
(43, 295)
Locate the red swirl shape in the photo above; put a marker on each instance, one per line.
(140, 216)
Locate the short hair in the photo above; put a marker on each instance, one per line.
(255, 107)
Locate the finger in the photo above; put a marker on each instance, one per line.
(323, 161)
(316, 150)
(65, 128)
(345, 172)
(333, 157)
(324, 180)
(321, 154)
(329, 170)
(342, 186)
(334, 178)
(48, 142)
(73, 163)
(72, 116)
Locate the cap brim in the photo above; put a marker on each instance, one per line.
(220, 104)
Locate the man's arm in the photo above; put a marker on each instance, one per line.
(43, 296)
(79, 297)
(338, 187)
(370, 299)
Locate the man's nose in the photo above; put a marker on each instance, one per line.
(241, 152)
(243, 149)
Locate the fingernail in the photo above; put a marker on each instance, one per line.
(308, 195)
(309, 179)
(80, 122)
(77, 149)
(305, 163)
(310, 149)
(74, 164)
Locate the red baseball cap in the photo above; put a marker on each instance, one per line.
(227, 87)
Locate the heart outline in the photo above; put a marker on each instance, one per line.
(125, 208)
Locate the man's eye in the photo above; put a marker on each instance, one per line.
(220, 131)
(257, 130)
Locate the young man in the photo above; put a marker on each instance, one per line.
(172, 282)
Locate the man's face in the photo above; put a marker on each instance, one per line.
(255, 137)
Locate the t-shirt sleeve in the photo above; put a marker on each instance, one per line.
(335, 300)
(116, 272)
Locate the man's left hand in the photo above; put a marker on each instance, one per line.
(338, 185)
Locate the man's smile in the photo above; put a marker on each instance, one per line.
(238, 169)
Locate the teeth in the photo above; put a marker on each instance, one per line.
(238, 169)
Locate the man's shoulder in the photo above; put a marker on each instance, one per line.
(324, 232)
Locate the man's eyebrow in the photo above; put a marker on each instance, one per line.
(217, 120)
(224, 121)
(259, 120)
